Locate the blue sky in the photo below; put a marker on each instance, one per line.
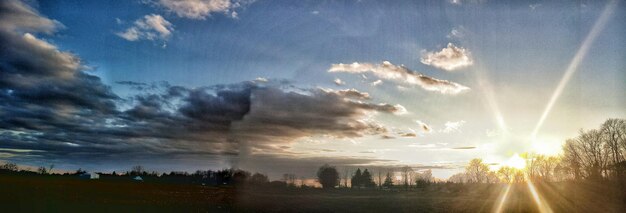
(519, 52)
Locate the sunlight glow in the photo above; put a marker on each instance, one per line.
(580, 55)
(516, 162)
(546, 147)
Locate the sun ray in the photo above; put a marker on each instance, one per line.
(503, 198)
(542, 205)
(573, 65)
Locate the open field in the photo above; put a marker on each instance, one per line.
(58, 194)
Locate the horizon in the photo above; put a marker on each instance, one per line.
(281, 87)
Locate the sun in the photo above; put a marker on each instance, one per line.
(516, 162)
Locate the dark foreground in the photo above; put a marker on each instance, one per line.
(63, 194)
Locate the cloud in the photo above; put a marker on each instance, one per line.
(200, 9)
(423, 126)
(386, 70)
(15, 16)
(465, 147)
(451, 127)
(456, 33)
(150, 27)
(449, 58)
(350, 93)
(339, 82)
(50, 104)
(376, 83)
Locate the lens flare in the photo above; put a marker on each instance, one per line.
(503, 198)
(573, 65)
(541, 204)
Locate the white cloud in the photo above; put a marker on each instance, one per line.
(376, 83)
(449, 58)
(451, 126)
(339, 82)
(200, 9)
(386, 70)
(150, 27)
(261, 79)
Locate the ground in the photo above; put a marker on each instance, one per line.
(62, 194)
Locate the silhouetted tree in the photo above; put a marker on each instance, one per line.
(42, 170)
(10, 167)
(356, 182)
(240, 176)
(366, 179)
(388, 181)
(137, 170)
(406, 173)
(259, 179)
(328, 176)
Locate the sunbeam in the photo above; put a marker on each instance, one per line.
(541, 204)
(503, 198)
(489, 96)
(573, 65)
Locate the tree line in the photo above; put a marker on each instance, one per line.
(596, 154)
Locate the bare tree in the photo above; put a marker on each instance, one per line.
(506, 174)
(614, 133)
(477, 171)
(406, 172)
(137, 170)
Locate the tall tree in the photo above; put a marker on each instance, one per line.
(328, 176)
(477, 171)
(388, 181)
(366, 179)
(356, 179)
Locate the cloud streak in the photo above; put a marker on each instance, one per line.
(387, 70)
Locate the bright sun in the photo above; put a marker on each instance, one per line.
(516, 162)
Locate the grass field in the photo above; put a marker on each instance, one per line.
(62, 194)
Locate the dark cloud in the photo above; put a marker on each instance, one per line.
(50, 104)
(465, 147)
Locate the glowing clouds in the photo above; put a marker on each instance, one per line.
(449, 58)
(389, 71)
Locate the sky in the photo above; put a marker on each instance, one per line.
(287, 86)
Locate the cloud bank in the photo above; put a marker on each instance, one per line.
(449, 58)
(387, 70)
(53, 107)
